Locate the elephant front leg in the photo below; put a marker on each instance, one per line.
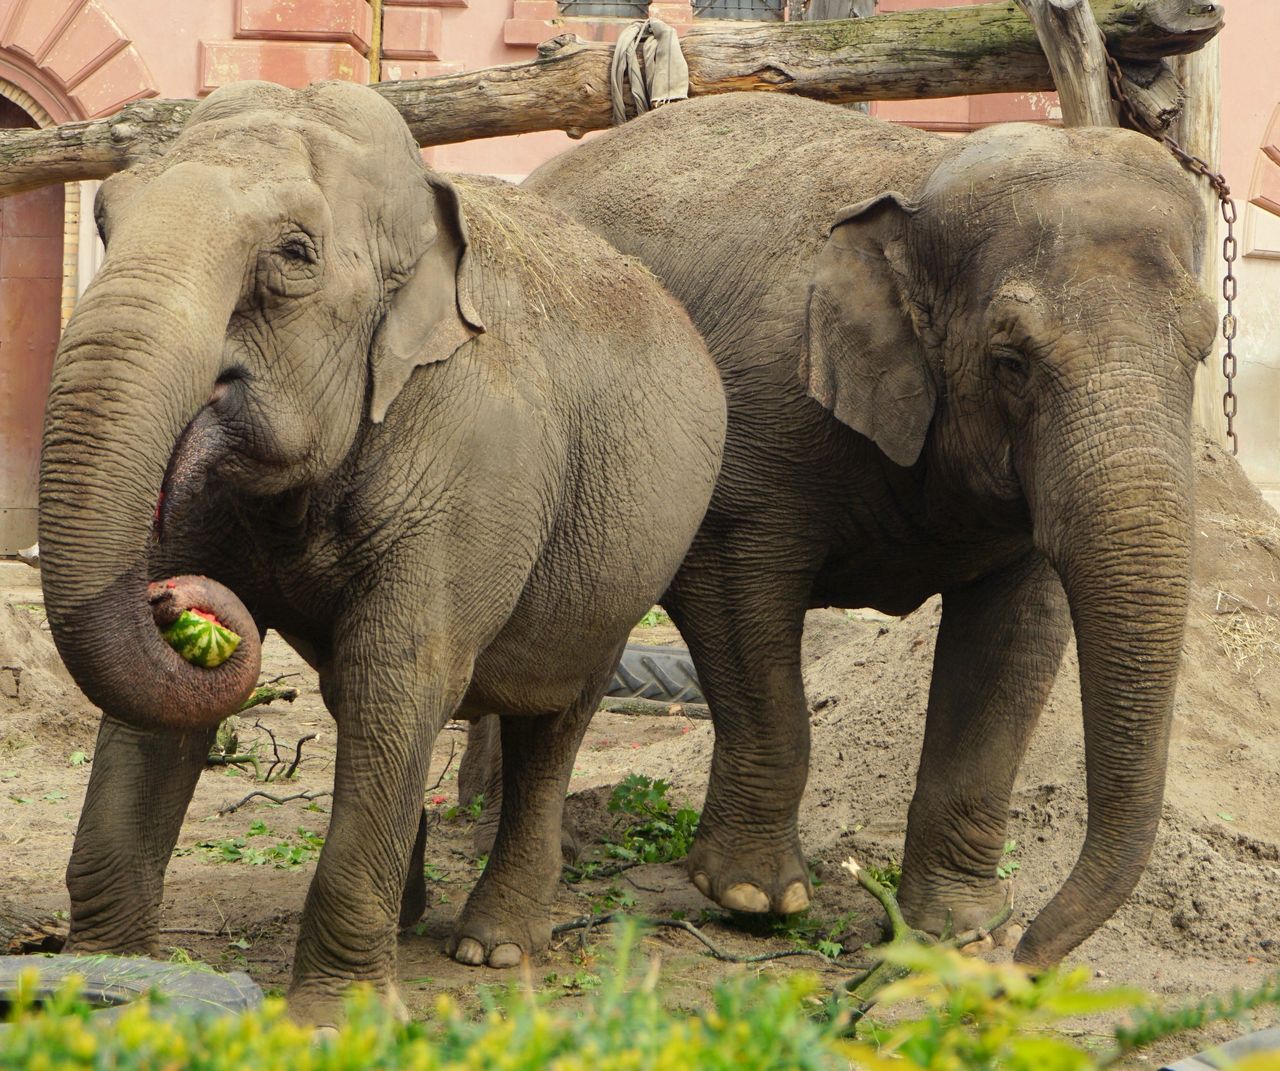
(508, 914)
(745, 642)
(139, 789)
(999, 646)
(389, 701)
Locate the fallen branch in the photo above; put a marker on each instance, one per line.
(590, 922)
(863, 987)
(656, 708)
(280, 800)
(267, 692)
(23, 931)
(935, 52)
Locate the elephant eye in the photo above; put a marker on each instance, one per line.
(1011, 360)
(299, 247)
(291, 267)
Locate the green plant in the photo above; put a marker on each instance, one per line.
(471, 810)
(1008, 866)
(579, 982)
(650, 831)
(612, 899)
(953, 1013)
(296, 850)
(654, 618)
(999, 1016)
(888, 875)
(806, 930)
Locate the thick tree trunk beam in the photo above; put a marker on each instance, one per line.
(1069, 37)
(943, 52)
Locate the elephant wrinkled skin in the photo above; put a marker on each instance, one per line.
(953, 365)
(390, 416)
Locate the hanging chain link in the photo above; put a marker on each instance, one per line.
(1227, 205)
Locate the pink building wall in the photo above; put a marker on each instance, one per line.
(71, 59)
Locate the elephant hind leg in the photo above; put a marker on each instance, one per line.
(508, 914)
(743, 631)
(413, 902)
(480, 778)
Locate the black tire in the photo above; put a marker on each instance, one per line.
(112, 982)
(1229, 1052)
(665, 674)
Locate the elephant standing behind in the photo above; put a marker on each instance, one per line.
(391, 417)
(953, 365)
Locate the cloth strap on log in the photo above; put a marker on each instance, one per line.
(660, 79)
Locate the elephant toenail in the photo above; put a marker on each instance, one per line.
(796, 898)
(746, 897)
(470, 952)
(703, 884)
(507, 955)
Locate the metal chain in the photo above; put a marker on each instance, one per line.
(1227, 205)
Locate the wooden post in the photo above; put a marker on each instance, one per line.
(1073, 45)
(1198, 130)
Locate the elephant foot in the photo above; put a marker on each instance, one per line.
(956, 906)
(138, 942)
(491, 933)
(756, 880)
(322, 1007)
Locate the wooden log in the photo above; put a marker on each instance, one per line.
(938, 52)
(1070, 39)
(23, 931)
(820, 10)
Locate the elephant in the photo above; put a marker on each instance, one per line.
(957, 366)
(319, 388)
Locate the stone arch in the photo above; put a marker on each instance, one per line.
(71, 57)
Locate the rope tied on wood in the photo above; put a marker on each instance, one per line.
(649, 58)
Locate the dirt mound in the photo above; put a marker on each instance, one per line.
(38, 699)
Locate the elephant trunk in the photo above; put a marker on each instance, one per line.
(1118, 530)
(133, 373)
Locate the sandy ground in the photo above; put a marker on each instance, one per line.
(1205, 917)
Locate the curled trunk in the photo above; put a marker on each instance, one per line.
(135, 368)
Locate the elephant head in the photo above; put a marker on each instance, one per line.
(1027, 328)
(268, 282)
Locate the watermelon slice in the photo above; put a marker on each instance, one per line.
(201, 639)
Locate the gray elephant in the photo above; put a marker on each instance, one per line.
(953, 365)
(390, 416)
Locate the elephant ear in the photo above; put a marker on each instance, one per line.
(432, 314)
(865, 360)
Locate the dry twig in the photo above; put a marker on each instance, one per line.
(589, 922)
(273, 799)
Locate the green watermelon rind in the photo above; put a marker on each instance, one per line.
(199, 641)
